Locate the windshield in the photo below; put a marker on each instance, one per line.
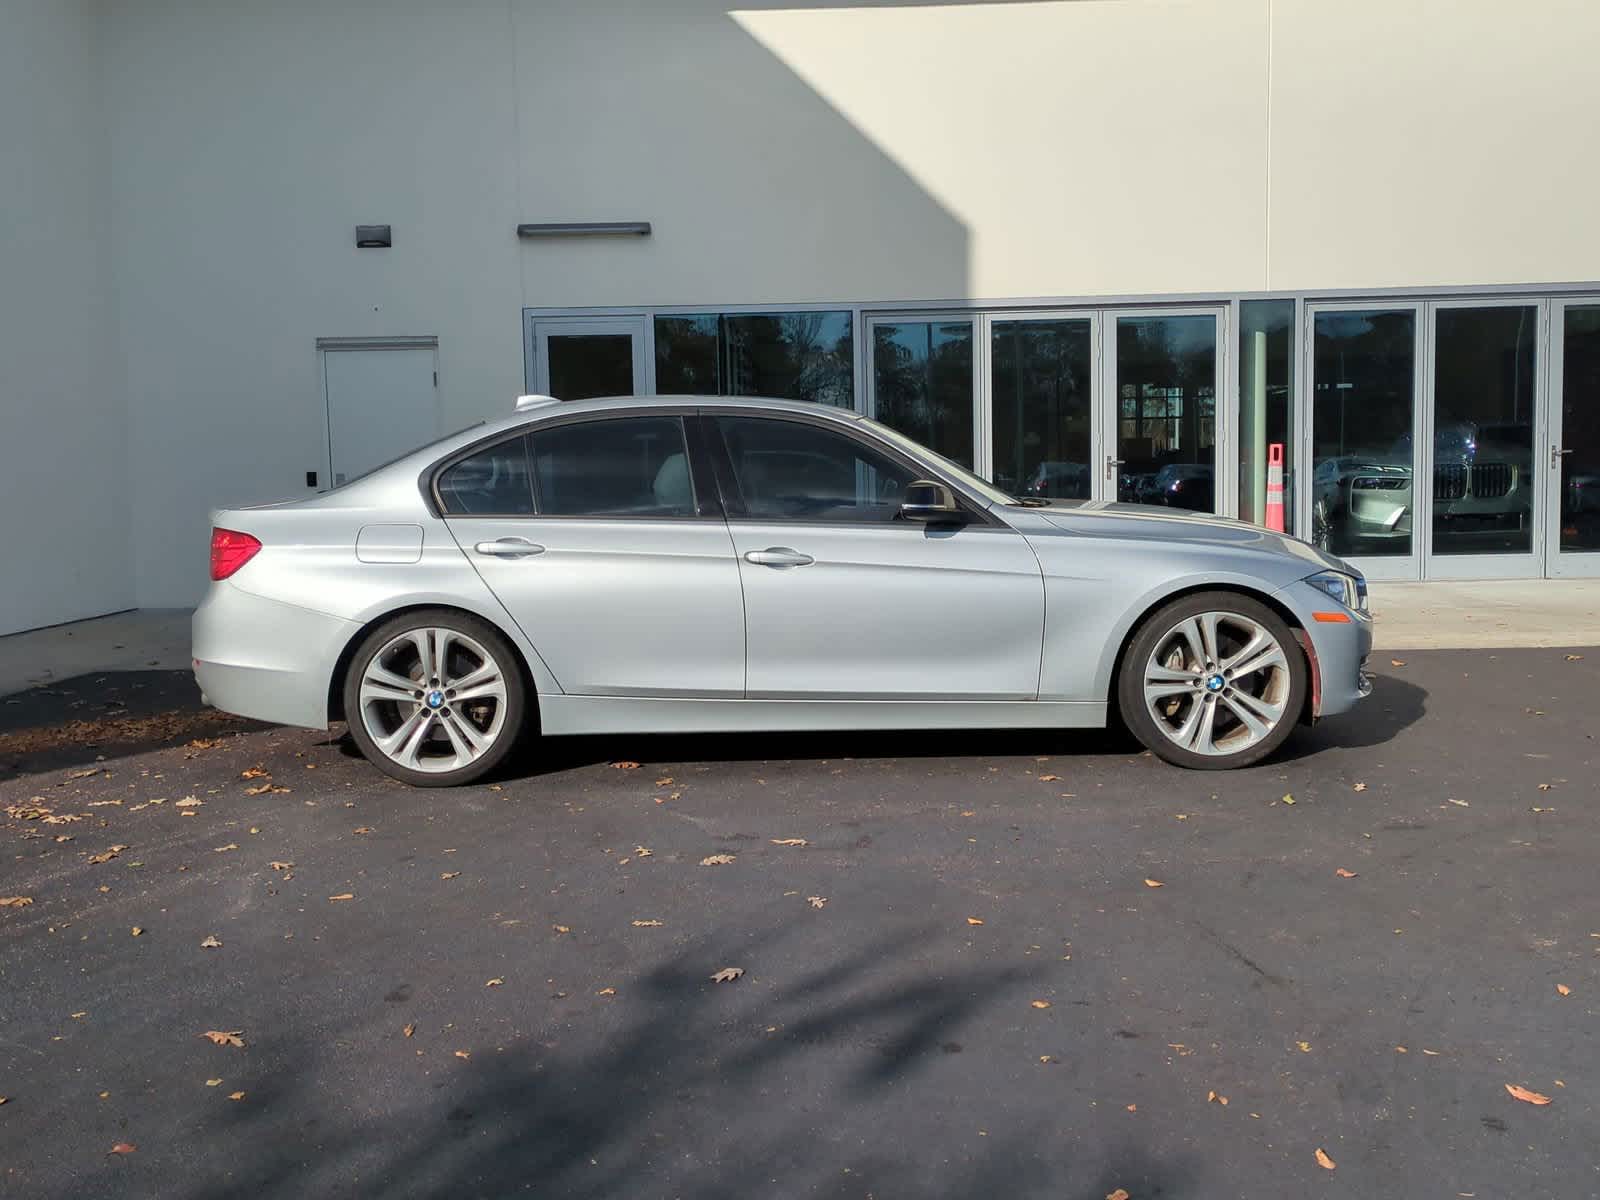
(982, 486)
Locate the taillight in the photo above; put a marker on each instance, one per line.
(230, 550)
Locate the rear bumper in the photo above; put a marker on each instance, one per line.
(266, 660)
(1339, 650)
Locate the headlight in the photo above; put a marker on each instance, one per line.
(1348, 590)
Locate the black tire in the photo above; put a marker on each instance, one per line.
(507, 726)
(1157, 628)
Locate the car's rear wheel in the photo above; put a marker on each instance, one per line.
(1212, 681)
(435, 698)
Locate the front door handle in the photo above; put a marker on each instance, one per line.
(1112, 464)
(1556, 455)
(509, 547)
(778, 556)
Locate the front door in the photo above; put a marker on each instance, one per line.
(1161, 415)
(579, 358)
(845, 600)
(609, 551)
(382, 402)
(1570, 455)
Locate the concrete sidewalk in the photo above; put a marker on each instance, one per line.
(1410, 616)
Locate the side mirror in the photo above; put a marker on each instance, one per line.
(926, 500)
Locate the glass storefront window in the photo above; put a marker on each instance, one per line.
(1580, 430)
(1042, 406)
(785, 355)
(1266, 404)
(1483, 398)
(1363, 387)
(1166, 388)
(922, 383)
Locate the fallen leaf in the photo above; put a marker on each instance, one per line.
(1048, 1058)
(225, 1037)
(1431, 1053)
(363, 828)
(664, 781)
(189, 802)
(1344, 874)
(789, 842)
(213, 1083)
(561, 928)
(225, 849)
(15, 901)
(648, 924)
(1360, 787)
(1563, 989)
(1305, 1047)
(259, 790)
(816, 901)
(626, 766)
(716, 860)
(1457, 803)
(449, 874)
(85, 773)
(1119, 1194)
(1041, 1004)
(253, 772)
(495, 982)
(342, 896)
(463, 1054)
(1545, 787)
(1049, 778)
(408, 1030)
(1154, 883)
(642, 852)
(606, 992)
(1574, 658)
(136, 930)
(1323, 1160)
(235, 1095)
(107, 855)
(1527, 1097)
(974, 921)
(281, 866)
(1288, 799)
(1397, 662)
(727, 975)
(969, 813)
(101, 804)
(123, 1148)
(1402, 1050)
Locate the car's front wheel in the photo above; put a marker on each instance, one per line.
(435, 698)
(1212, 681)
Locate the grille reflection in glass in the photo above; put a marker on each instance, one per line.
(1363, 384)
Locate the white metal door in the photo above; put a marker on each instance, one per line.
(1163, 410)
(1570, 451)
(381, 403)
(577, 358)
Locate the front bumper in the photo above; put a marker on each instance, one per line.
(264, 659)
(1338, 651)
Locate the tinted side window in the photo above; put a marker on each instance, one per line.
(627, 467)
(492, 482)
(787, 470)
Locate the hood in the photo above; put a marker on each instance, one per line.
(1169, 526)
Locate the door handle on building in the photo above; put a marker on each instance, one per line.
(509, 547)
(1111, 466)
(779, 556)
(1556, 455)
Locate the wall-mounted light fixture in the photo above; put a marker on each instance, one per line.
(370, 237)
(585, 229)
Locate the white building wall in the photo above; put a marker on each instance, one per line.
(785, 151)
(65, 550)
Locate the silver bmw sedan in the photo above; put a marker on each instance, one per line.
(684, 564)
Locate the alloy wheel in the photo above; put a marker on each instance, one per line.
(433, 700)
(1217, 683)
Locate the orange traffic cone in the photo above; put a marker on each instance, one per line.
(1275, 486)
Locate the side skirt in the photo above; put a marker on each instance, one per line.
(561, 714)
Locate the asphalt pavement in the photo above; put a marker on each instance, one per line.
(1020, 965)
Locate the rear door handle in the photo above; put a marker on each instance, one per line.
(509, 547)
(778, 556)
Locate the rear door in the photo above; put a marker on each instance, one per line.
(609, 550)
(846, 600)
